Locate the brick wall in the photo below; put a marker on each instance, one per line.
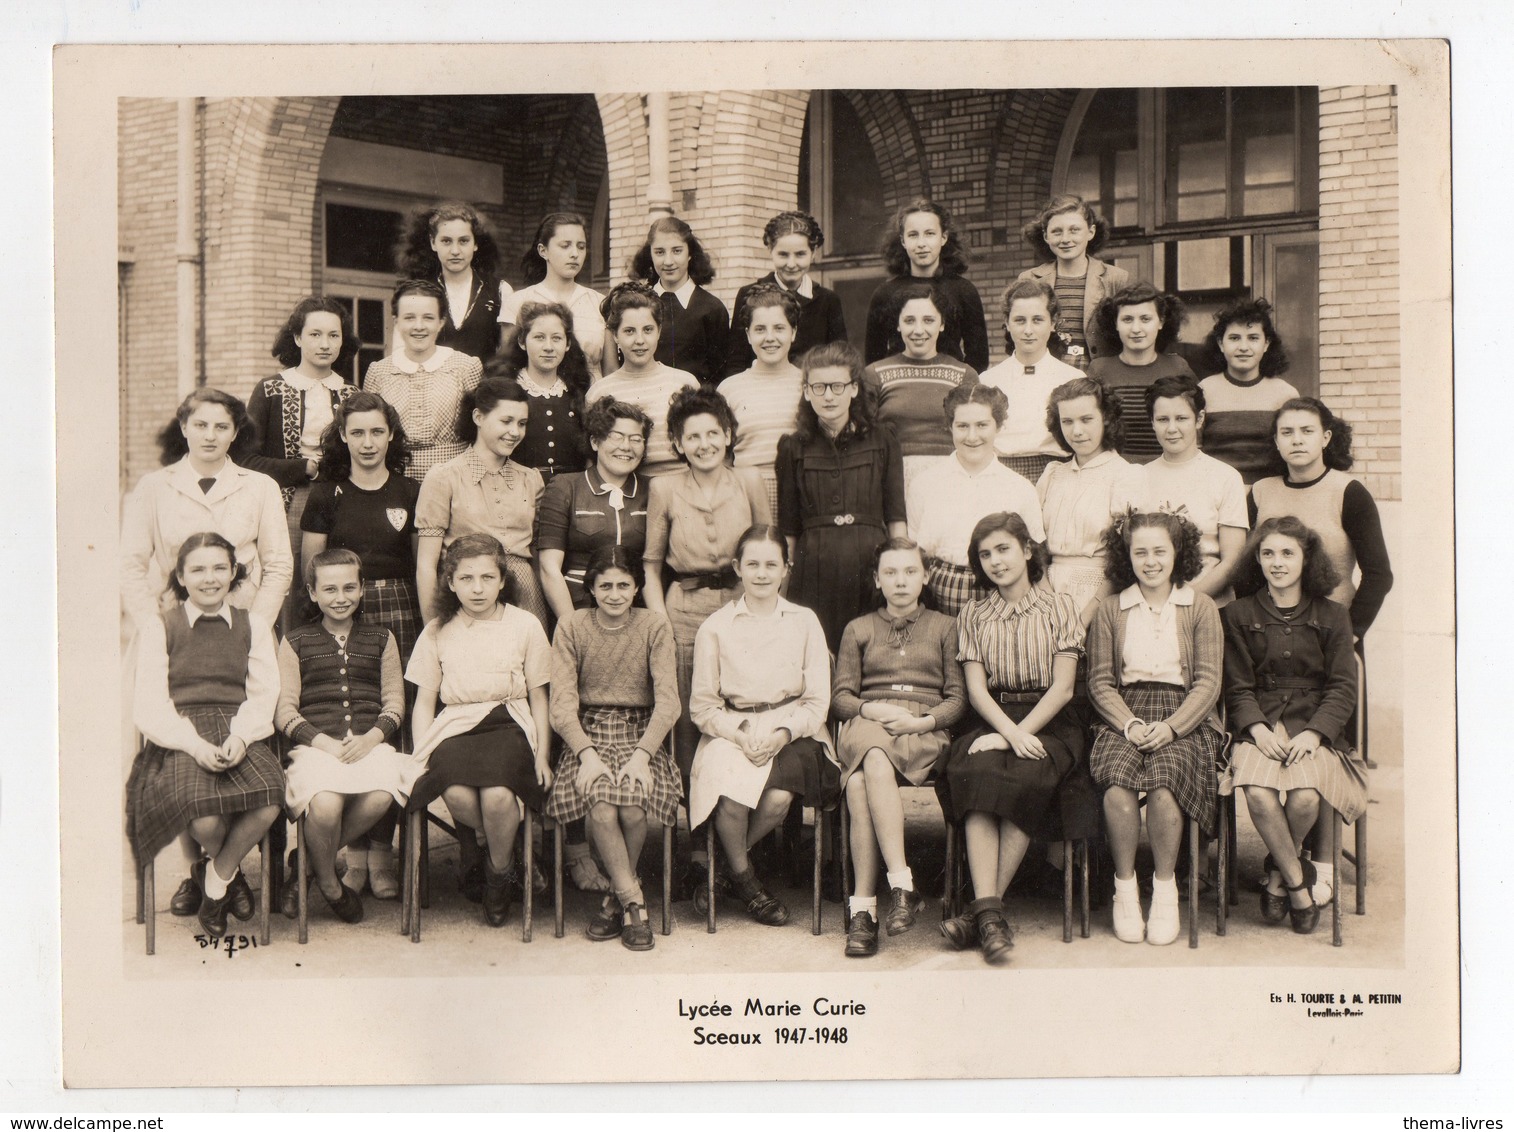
(1359, 265)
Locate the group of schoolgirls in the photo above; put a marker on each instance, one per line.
(706, 622)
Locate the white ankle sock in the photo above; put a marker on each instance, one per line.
(904, 878)
(215, 887)
(868, 904)
(1127, 888)
(1164, 891)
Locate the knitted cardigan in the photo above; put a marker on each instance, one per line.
(1201, 649)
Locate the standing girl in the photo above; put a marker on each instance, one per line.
(766, 397)
(1192, 483)
(1080, 496)
(484, 491)
(486, 753)
(910, 386)
(633, 313)
(946, 501)
(1020, 773)
(341, 702)
(1290, 687)
(840, 490)
(792, 239)
(1155, 650)
(614, 699)
(550, 266)
(548, 363)
(205, 691)
(898, 693)
(923, 245)
(1027, 377)
(696, 325)
(450, 244)
(1142, 322)
(1064, 235)
(424, 381)
(761, 695)
(1245, 394)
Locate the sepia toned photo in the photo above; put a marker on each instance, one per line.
(581, 557)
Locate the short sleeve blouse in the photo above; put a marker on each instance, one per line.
(1017, 644)
(474, 662)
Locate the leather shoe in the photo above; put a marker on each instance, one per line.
(762, 904)
(994, 934)
(702, 889)
(961, 931)
(1305, 919)
(636, 930)
(499, 889)
(289, 900)
(213, 915)
(186, 898)
(905, 906)
(862, 935)
(607, 923)
(239, 892)
(348, 907)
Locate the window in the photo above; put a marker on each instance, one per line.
(358, 234)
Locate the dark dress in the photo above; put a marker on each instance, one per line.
(695, 338)
(821, 320)
(479, 333)
(836, 498)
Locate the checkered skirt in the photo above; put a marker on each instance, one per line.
(167, 789)
(613, 731)
(952, 586)
(391, 604)
(1185, 766)
(1030, 466)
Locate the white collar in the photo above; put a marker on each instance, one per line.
(806, 286)
(683, 292)
(194, 613)
(558, 388)
(293, 377)
(784, 606)
(1130, 596)
(401, 361)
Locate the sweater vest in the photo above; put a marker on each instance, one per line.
(207, 661)
(340, 693)
(1318, 507)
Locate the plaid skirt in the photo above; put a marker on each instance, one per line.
(613, 732)
(167, 789)
(525, 590)
(952, 586)
(1030, 466)
(1185, 766)
(1339, 776)
(769, 476)
(391, 604)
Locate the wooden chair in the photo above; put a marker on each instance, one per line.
(147, 897)
(415, 888)
(667, 878)
(1358, 858)
(820, 833)
(1074, 856)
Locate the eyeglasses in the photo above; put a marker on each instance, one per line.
(834, 388)
(634, 439)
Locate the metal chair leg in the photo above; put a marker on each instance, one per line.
(149, 905)
(558, 929)
(668, 833)
(528, 887)
(1083, 849)
(301, 871)
(709, 841)
(416, 865)
(404, 829)
(140, 876)
(265, 921)
(424, 877)
(949, 893)
(1361, 866)
(1226, 812)
(1193, 882)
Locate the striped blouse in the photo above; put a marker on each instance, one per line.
(1017, 644)
(766, 408)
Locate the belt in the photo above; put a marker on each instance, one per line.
(1032, 697)
(722, 579)
(1272, 683)
(758, 709)
(385, 583)
(844, 519)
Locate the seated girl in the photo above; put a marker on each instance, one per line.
(341, 703)
(205, 690)
(1290, 686)
(898, 692)
(760, 697)
(1154, 655)
(614, 700)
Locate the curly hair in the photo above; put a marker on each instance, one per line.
(1109, 409)
(1034, 229)
(427, 287)
(838, 355)
(495, 388)
(1188, 561)
(1170, 387)
(287, 350)
(1170, 310)
(172, 447)
(1010, 523)
(990, 396)
(1034, 289)
(767, 295)
(1319, 576)
(1337, 454)
(445, 605)
(793, 223)
(1246, 312)
(701, 269)
(335, 462)
(896, 259)
(629, 296)
(532, 266)
(901, 298)
(600, 417)
(691, 402)
(413, 256)
(574, 367)
(198, 542)
(613, 557)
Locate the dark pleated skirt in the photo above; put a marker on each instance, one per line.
(495, 753)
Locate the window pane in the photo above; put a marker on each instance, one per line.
(1204, 265)
(1083, 176)
(1196, 153)
(1103, 166)
(1126, 211)
(370, 321)
(1263, 121)
(361, 239)
(857, 209)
